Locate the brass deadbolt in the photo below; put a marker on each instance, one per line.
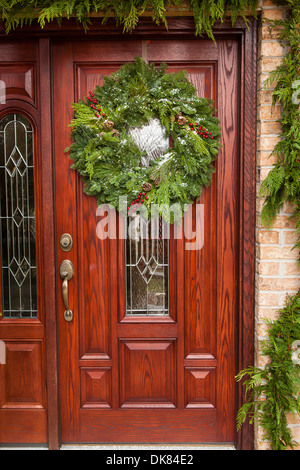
(66, 242)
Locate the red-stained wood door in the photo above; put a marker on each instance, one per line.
(149, 379)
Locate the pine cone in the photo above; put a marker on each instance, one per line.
(108, 125)
(181, 120)
(115, 133)
(147, 187)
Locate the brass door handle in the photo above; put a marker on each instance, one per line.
(65, 292)
(66, 272)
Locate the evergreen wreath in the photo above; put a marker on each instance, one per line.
(112, 164)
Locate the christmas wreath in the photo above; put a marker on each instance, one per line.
(146, 137)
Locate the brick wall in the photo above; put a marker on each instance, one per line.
(277, 272)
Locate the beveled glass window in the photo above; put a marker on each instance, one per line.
(147, 269)
(17, 218)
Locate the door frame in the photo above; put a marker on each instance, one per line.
(178, 28)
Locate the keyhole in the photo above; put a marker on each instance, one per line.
(66, 242)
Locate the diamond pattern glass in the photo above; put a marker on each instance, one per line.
(147, 272)
(17, 218)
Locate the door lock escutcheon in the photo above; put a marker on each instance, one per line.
(66, 242)
(66, 272)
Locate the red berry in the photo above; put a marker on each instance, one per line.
(103, 114)
(211, 137)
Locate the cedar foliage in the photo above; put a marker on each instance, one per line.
(273, 391)
(283, 181)
(127, 13)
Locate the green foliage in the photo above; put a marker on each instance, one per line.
(273, 391)
(109, 161)
(283, 182)
(127, 13)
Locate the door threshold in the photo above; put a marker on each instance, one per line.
(111, 447)
(117, 447)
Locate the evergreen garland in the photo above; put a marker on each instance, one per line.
(110, 162)
(283, 181)
(127, 13)
(273, 391)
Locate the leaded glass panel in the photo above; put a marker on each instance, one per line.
(147, 270)
(17, 218)
(147, 249)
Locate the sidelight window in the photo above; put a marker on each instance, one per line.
(17, 218)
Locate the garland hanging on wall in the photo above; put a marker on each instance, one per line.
(283, 181)
(273, 391)
(145, 135)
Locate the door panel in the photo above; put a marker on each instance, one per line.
(23, 401)
(149, 378)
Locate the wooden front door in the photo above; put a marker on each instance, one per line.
(148, 378)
